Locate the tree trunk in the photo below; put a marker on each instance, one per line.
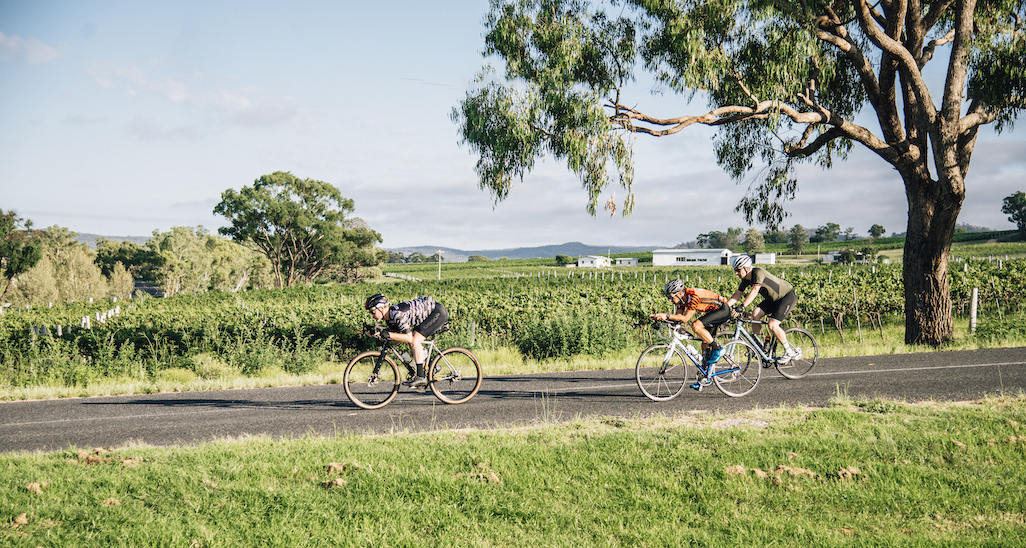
(933, 209)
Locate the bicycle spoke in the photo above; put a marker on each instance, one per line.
(738, 371)
(455, 375)
(808, 352)
(368, 388)
(661, 374)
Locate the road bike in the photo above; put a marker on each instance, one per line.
(662, 370)
(372, 381)
(801, 340)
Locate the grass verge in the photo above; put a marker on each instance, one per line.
(858, 473)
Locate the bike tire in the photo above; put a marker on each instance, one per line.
(357, 380)
(802, 341)
(661, 376)
(455, 376)
(738, 371)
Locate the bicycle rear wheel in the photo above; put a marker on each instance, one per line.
(367, 389)
(661, 376)
(738, 371)
(455, 375)
(808, 352)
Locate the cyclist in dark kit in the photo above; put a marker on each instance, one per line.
(778, 300)
(409, 322)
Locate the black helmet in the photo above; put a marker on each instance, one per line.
(375, 301)
(673, 287)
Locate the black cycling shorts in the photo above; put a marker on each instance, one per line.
(714, 319)
(780, 308)
(435, 320)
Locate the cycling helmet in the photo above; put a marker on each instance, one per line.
(673, 287)
(375, 301)
(742, 261)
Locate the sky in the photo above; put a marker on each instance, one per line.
(121, 117)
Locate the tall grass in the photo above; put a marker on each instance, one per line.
(859, 473)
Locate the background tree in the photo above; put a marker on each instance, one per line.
(784, 83)
(876, 231)
(136, 259)
(1015, 207)
(473, 258)
(20, 248)
(797, 238)
(776, 236)
(299, 225)
(564, 260)
(826, 233)
(754, 242)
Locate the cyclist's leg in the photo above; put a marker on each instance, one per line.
(431, 324)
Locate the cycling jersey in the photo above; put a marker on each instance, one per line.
(700, 300)
(773, 288)
(406, 316)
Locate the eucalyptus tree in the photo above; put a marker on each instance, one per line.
(785, 83)
(301, 225)
(20, 249)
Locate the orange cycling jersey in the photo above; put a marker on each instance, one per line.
(700, 300)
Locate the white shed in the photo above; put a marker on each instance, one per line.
(765, 258)
(626, 261)
(690, 257)
(593, 261)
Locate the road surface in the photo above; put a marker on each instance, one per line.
(292, 412)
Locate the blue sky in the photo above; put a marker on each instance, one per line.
(123, 117)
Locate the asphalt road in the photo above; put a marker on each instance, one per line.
(293, 412)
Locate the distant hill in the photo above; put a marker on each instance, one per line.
(573, 249)
(90, 239)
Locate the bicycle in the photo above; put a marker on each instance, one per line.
(662, 369)
(800, 339)
(371, 380)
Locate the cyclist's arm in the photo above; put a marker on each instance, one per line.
(676, 317)
(400, 337)
(747, 299)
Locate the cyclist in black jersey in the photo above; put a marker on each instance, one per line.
(779, 299)
(409, 322)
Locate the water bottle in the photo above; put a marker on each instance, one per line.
(690, 350)
(405, 356)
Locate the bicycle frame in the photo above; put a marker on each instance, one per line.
(676, 340)
(742, 334)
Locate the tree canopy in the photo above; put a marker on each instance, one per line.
(1015, 207)
(784, 83)
(20, 248)
(302, 226)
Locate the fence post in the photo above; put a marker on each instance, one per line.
(858, 321)
(972, 310)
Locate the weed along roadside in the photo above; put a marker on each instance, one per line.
(856, 472)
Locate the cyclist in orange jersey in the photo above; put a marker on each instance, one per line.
(688, 301)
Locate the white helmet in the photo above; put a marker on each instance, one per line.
(742, 261)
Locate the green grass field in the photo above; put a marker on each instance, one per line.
(858, 473)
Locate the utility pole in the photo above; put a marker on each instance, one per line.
(439, 264)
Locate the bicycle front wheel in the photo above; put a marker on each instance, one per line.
(455, 375)
(661, 373)
(738, 370)
(808, 352)
(368, 388)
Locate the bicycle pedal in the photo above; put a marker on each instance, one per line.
(421, 389)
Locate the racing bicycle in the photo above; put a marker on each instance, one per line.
(372, 381)
(766, 351)
(662, 370)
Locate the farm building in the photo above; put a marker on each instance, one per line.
(626, 261)
(593, 261)
(690, 257)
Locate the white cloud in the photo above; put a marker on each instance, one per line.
(27, 51)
